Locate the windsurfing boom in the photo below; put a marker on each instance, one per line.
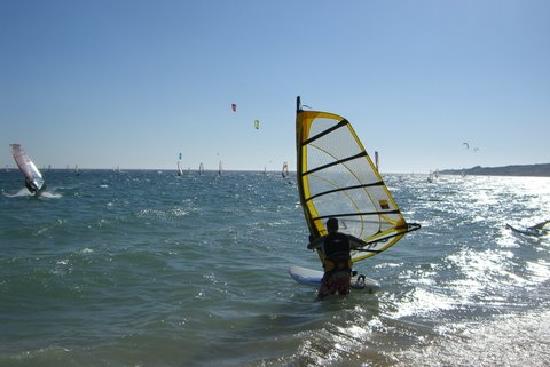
(337, 178)
(33, 178)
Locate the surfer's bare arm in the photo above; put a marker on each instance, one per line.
(316, 243)
(356, 243)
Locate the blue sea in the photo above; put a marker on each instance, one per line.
(145, 268)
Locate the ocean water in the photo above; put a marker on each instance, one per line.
(142, 268)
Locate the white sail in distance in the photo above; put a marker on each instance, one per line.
(27, 166)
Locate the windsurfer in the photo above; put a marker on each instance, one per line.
(32, 187)
(540, 226)
(335, 251)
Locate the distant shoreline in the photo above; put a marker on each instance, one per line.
(122, 170)
(535, 170)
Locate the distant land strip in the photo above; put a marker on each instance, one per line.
(538, 170)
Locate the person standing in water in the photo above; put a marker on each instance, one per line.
(30, 185)
(335, 249)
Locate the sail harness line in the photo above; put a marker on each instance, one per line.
(411, 227)
(358, 155)
(345, 189)
(325, 132)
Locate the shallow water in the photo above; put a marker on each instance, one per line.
(145, 269)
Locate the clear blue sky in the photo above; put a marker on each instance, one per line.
(132, 83)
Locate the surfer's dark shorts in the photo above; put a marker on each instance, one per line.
(336, 282)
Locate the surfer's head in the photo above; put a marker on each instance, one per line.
(332, 225)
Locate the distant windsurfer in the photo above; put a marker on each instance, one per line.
(34, 182)
(33, 188)
(335, 249)
(538, 230)
(540, 226)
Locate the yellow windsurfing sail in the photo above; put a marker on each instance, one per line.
(336, 178)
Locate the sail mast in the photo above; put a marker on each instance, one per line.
(300, 131)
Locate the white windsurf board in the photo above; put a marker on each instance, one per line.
(313, 278)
